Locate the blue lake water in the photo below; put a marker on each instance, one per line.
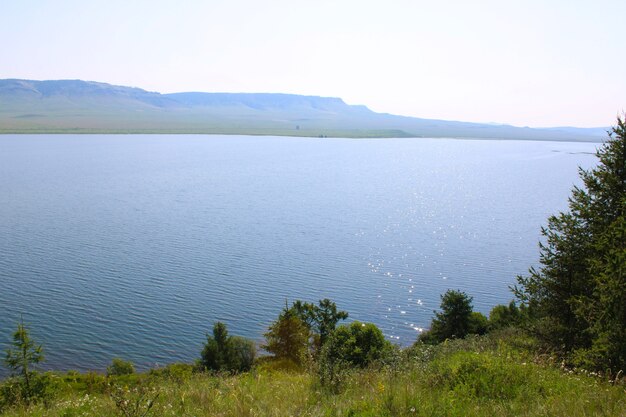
(135, 245)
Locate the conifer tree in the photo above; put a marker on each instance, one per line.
(578, 295)
(21, 357)
(287, 337)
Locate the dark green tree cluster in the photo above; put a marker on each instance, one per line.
(320, 319)
(357, 344)
(308, 333)
(302, 329)
(226, 353)
(502, 316)
(457, 319)
(578, 295)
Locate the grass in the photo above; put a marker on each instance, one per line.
(485, 376)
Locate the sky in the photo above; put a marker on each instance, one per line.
(527, 63)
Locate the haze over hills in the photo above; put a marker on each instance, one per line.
(75, 106)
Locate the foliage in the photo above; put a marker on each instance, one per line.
(486, 376)
(222, 352)
(349, 346)
(287, 337)
(174, 372)
(579, 294)
(455, 319)
(483, 376)
(14, 391)
(502, 316)
(358, 344)
(120, 367)
(478, 323)
(321, 319)
(27, 385)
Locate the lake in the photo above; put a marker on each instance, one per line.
(134, 245)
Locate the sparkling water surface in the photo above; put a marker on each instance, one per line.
(134, 245)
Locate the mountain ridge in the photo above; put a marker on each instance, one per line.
(77, 106)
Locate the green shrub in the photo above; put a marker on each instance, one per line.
(478, 323)
(94, 382)
(243, 353)
(120, 367)
(15, 392)
(502, 316)
(222, 352)
(357, 345)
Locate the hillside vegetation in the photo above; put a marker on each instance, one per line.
(487, 376)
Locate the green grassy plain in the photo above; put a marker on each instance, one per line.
(481, 376)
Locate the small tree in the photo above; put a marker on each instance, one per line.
(215, 353)
(242, 353)
(358, 344)
(321, 319)
(454, 320)
(20, 358)
(287, 337)
(222, 352)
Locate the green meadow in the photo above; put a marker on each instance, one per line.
(500, 374)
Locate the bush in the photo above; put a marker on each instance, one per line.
(227, 353)
(357, 344)
(502, 316)
(120, 367)
(14, 391)
(243, 353)
(478, 323)
(350, 346)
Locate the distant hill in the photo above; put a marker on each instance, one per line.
(75, 106)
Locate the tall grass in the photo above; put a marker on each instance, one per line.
(485, 376)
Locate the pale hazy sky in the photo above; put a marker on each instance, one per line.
(526, 62)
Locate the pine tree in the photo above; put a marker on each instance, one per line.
(454, 318)
(287, 337)
(578, 295)
(21, 358)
